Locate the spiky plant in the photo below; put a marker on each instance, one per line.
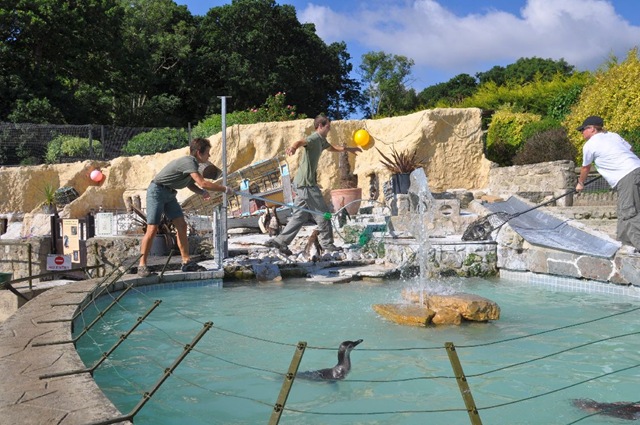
(401, 162)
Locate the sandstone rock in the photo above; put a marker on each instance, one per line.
(450, 140)
(405, 314)
(471, 307)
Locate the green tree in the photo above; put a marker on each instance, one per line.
(157, 37)
(450, 93)
(251, 49)
(526, 70)
(385, 77)
(52, 48)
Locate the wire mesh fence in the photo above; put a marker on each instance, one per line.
(28, 144)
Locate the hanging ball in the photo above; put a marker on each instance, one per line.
(361, 138)
(96, 175)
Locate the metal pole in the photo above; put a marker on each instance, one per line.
(223, 214)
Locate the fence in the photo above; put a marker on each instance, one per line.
(27, 144)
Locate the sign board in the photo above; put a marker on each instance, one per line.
(71, 238)
(104, 224)
(58, 262)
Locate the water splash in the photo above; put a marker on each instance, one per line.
(422, 209)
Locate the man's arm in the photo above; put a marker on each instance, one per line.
(584, 172)
(295, 146)
(206, 185)
(354, 150)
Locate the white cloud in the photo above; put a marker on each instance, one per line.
(583, 32)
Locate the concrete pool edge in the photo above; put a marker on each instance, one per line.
(25, 398)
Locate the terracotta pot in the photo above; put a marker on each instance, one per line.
(342, 197)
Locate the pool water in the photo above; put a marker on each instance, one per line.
(522, 369)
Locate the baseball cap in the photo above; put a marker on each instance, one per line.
(592, 120)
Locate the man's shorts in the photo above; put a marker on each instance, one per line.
(162, 199)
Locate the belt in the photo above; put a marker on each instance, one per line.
(163, 186)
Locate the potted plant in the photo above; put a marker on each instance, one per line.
(349, 193)
(49, 204)
(401, 164)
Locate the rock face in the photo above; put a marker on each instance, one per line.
(449, 139)
(439, 309)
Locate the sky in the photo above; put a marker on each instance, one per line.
(446, 38)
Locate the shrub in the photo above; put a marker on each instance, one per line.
(274, 109)
(633, 137)
(505, 134)
(155, 141)
(532, 128)
(71, 146)
(549, 145)
(501, 153)
(614, 95)
(213, 124)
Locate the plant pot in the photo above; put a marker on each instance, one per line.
(161, 245)
(400, 183)
(342, 197)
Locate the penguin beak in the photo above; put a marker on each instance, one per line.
(357, 342)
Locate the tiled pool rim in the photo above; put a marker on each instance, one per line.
(76, 399)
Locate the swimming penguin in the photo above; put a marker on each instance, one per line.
(337, 372)
(620, 409)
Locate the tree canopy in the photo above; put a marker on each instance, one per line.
(150, 62)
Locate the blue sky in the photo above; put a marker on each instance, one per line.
(449, 37)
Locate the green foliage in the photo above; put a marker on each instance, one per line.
(156, 141)
(448, 94)
(526, 70)
(545, 146)
(560, 106)
(71, 146)
(533, 97)
(274, 109)
(614, 94)
(508, 127)
(213, 123)
(386, 79)
(532, 128)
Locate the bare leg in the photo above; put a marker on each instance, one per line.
(145, 245)
(183, 241)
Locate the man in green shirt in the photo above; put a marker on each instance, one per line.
(161, 198)
(308, 194)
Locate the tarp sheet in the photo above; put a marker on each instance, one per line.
(540, 228)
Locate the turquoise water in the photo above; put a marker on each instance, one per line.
(400, 375)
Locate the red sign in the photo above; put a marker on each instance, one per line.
(59, 260)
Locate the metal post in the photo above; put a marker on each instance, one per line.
(278, 408)
(472, 410)
(223, 214)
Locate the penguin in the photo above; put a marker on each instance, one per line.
(339, 371)
(313, 250)
(274, 223)
(619, 409)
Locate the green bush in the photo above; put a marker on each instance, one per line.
(156, 141)
(549, 145)
(274, 109)
(71, 146)
(213, 124)
(532, 128)
(501, 153)
(507, 127)
(614, 95)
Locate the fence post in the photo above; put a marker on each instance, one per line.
(463, 385)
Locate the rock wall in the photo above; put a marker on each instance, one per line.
(449, 139)
(546, 179)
